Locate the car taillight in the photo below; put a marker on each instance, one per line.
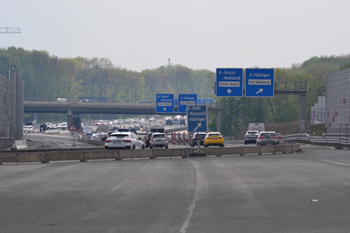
(126, 140)
(260, 137)
(147, 139)
(195, 138)
(108, 141)
(276, 137)
(220, 137)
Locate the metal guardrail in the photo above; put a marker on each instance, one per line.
(329, 139)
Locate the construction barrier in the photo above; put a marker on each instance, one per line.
(85, 155)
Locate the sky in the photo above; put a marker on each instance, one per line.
(199, 34)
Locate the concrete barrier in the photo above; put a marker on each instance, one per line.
(94, 142)
(84, 155)
(52, 131)
(20, 144)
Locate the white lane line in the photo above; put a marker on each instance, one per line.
(193, 204)
(330, 161)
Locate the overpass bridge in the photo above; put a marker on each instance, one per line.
(75, 109)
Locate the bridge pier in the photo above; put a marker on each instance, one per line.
(76, 118)
(302, 113)
(219, 120)
(69, 117)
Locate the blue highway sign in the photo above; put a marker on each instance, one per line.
(229, 82)
(259, 83)
(186, 99)
(197, 119)
(164, 103)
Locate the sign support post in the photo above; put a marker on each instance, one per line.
(73, 128)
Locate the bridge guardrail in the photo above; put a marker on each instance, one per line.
(84, 155)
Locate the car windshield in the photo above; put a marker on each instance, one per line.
(268, 135)
(200, 136)
(159, 136)
(214, 135)
(251, 133)
(120, 136)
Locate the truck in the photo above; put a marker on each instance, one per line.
(62, 100)
(256, 127)
(156, 129)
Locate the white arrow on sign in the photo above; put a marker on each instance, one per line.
(198, 125)
(164, 108)
(260, 91)
(229, 91)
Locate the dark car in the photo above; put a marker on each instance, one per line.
(148, 138)
(250, 136)
(115, 128)
(137, 127)
(201, 136)
(123, 130)
(182, 121)
(168, 122)
(132, 130)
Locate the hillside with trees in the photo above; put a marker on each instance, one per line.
(48, 77)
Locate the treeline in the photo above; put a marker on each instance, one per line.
(48, 77)
(237, 113)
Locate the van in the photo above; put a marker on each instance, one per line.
(256, 127)
(62, 100)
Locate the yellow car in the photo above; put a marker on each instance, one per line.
(213, 139)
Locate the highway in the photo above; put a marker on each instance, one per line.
(297, 192)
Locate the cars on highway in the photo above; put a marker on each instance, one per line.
(148, 138)
(128, 121)
(168, 121)
(87, 136)
(250, 136)
(182, 121)
(158, 140)
(267, 137)
(175, 121)
(123, 130)
(213, 139)
(124, 140)
(26, 129)
(196, 136)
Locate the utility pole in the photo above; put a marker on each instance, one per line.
(9, 30)
(169, 65)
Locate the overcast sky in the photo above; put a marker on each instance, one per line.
(203, 34)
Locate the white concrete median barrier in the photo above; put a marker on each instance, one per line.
(20, 144)
(84, 155)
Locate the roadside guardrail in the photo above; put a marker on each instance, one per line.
(85, 155)
(338, 141)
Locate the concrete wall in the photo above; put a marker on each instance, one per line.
(338, 102)
(11, 108)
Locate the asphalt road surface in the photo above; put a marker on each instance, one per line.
(300, 192)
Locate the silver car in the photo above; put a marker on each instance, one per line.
(250, 136)
(158, 140)
(267, 137)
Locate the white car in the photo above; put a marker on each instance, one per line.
(26, 129)
(124, 140)
(120, 121)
